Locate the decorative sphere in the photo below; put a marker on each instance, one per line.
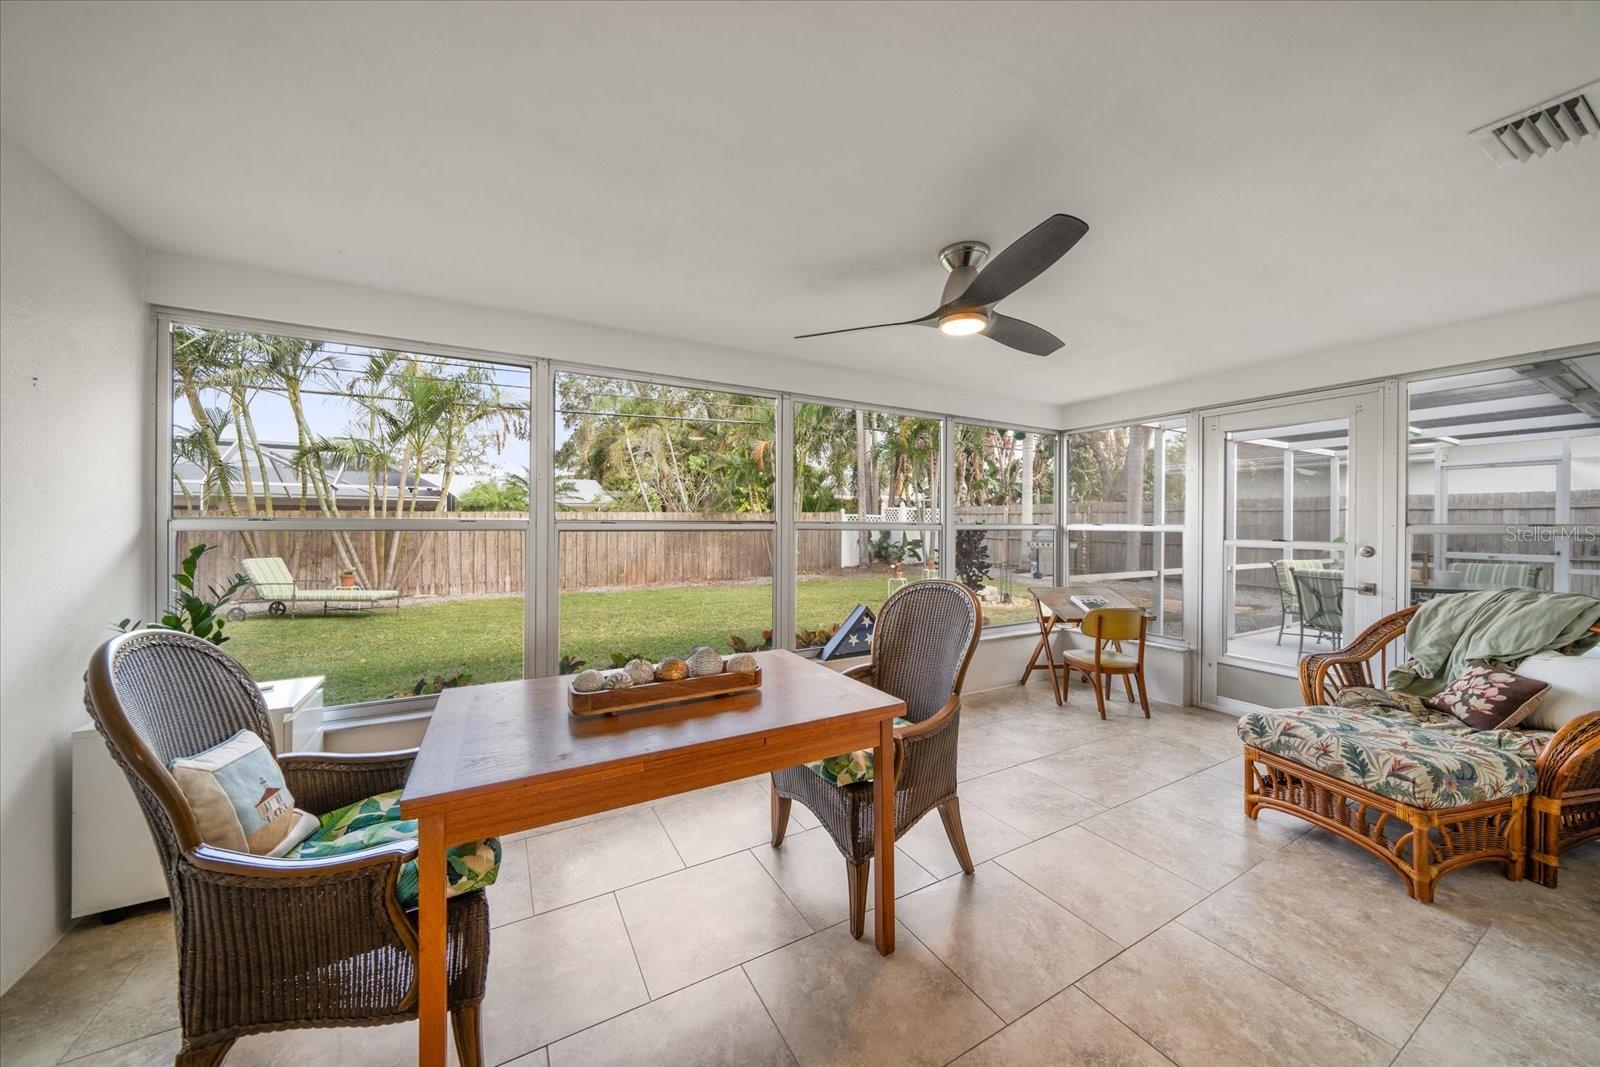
(589, 681)
(704, 661)
(618, 678)
(642, 671)
(672, 669)
(744, 663)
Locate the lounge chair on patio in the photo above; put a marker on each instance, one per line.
(274, 584)
(1289, 596)
(1497, 575)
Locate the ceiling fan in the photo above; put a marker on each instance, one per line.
(970, 295)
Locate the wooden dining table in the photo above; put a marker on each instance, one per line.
(507, 757)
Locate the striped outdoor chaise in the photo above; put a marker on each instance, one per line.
(1497, 575)
(274, 584)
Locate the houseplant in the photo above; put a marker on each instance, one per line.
(189, 612)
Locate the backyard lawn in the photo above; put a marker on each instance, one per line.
(372, 655)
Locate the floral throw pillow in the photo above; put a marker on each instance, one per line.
(1487, 696)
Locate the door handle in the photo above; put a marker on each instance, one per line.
(1365, 588)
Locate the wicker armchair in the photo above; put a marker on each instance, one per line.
(1566, 802)
(270, 944)
(921, 646)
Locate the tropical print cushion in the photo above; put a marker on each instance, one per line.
(376, 821)
(849, 768)
(1421, 767)
(1487, 696)
(1410, 711)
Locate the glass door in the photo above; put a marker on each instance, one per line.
(1295, 559)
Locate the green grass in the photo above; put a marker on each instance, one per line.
(372, 655)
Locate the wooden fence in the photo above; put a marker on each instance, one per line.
(467, 562)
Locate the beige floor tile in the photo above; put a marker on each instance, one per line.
(145, 1004)
(1199, 1004)
(362, 1046)
(49, 1007)
(1056, 730)
(1210, 798)
(1193, 849)
(1351, 940)
(694, 923)
(1069, 1028)
(157, 1050)
(1152, 756)
(537, 1058)
(811, 873)
(1011, 944)
(1208, 732)
(981, 751)
(1229, 771)
(1114, 890)
(511, 896)
(987, 837)
(724, 819)
(597, 857)
(555, 974)
(719, 1022)
(837, 1002)
(1021, 799)
(1447, 1040)
(1104, 781)
(1541, 991)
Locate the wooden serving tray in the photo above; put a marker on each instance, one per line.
(656, 694)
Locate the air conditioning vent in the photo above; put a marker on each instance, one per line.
(1540, 130)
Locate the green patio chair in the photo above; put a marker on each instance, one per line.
(1497, 575)
(1288, 596)
(274, 584)
(1321, 596)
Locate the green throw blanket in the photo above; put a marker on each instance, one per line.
(1507, 625)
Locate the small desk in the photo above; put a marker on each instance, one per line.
(507, 757)
(1057, 600)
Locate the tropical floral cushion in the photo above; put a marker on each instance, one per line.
(1419, 766)
(1487, 696)
(849, 768)
(376, 821)
(1410, 711)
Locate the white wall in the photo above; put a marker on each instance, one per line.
(1497, 337)
(204, 285)
(76, 379)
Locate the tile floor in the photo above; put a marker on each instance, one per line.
(1092, 932)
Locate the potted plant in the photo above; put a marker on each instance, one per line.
(347, 578)
(189, 612)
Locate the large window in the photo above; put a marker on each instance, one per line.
(665, 524)
(1503, 480)
(1127, 494)
(376, 500)
(1005, 541)
(867, 518)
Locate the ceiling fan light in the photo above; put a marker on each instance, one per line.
(963, 323)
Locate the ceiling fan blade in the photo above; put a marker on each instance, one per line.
(924, 321)
(1023, 260)
(1023, 336)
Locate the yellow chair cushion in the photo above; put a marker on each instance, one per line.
(1084, 657)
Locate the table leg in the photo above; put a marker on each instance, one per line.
(431, 976)
(883, 839)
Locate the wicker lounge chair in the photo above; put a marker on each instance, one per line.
(1563, 806)
(271, 944)
(921, 646)
(274, 584)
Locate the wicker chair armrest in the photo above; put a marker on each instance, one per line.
(861, 672)
(323, 781)
(1324, 674)
(1573, 754)
(906, 738)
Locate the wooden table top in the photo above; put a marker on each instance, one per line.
(483, 736)
(1059, 598)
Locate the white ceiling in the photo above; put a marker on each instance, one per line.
(1259, 180)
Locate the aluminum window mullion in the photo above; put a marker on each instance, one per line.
(542, 599)
(600, 525)
(786, 559)
(947, 499)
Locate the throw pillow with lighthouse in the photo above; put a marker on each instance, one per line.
(240, 799)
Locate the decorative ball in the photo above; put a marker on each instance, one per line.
(672, 669)
(619, 678)
(744, 663)
(642, 671)
(704, 661)
(589, 681)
